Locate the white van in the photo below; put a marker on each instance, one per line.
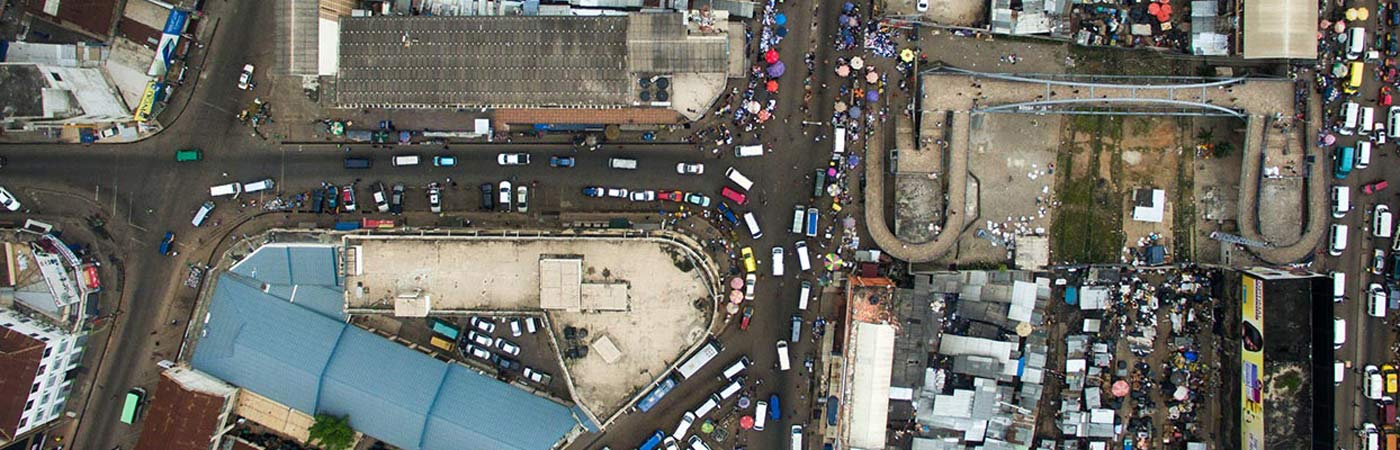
(1363, 148)
(260, 185)
(1350, 111)
(748, 151)
(804, 261)
(697, 444)
(1356, 42)
(709, 405)
(405, 160)
(1341, 201)
(1367, 121)
(798, 215)
(803, 295)
(1339, 286)
(797, 437)
(760, 415)
(838, 141)
(203, 213)
(731, 389)
(783, 363)
(1337, 240)
(739, 179)
(1381, 220)
(778, 261)
(1372, 435)
(622, 163)
(226, 189)
(1376, 300)
(1372, 384)
(752, 223)
(1339, 372)
(1339, 333)
(736, 368)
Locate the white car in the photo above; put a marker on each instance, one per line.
(681, 428)
(508, 346)
(513, 159)
(749, 281)
(503, 200)
(690, 169)
(483, 324)
(617, 193)
(515, 327)
(777, 261)
(522, 200)
(643, 196)
(8, 200)
(381, 199)
(435, 199)
(476, 351)
(537, 376)
(480, 339)
(245, 79)
(922, 6)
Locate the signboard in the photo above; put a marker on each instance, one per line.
(1252, 364)
(169, 38)
(148, 101)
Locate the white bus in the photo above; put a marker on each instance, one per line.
(707, 353)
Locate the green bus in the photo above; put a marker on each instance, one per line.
(132, 408)
(189, 155)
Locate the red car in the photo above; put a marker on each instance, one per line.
(1386, 98)
(671, 196)
(748, 314)
(734, 195)
(1375, 187)
(347, 198)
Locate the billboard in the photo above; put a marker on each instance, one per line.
(169, 38)
(1252, 363)
(148, 101)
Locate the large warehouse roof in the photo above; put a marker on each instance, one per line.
(514, 61)
(1284, 29)
(318, 364)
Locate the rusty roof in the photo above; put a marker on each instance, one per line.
(180, 419)
(20, 355)
(94, 17)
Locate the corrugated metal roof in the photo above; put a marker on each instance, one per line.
(315, 363)
(870, 384)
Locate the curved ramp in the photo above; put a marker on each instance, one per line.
(957, 199)
(1250, 181)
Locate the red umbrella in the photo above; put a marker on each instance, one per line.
(772, 86)
(1120, 388)
(746, 422)
(771, 56)
(1153, 8)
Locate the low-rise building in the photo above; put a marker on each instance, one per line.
(35, 360)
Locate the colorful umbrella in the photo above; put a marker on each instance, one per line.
(746, 422)
(906, 55)
(781, 31)
(848, 7)
(731, 308)
(854, 112)
(843, 70)
(872, 96)
(752, 107)
(780, 19)
(776, 70)
(707, 427)
(1120, 388)
(1339, 27)
(770, 56)
(857, 63)
(736, 283)
(1351, 14)
(872, 77)
(736, 296)
(764, 115)
(840, 106)
(772, 86)
(1363, 13)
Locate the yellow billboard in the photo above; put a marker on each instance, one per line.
(148, 101)
(1252, 364)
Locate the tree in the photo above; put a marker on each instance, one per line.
(332, 432)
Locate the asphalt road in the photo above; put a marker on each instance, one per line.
(144, 193)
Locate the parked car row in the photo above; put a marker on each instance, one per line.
(480, 343)
(648, 195)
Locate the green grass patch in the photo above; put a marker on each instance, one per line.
(1088, 225)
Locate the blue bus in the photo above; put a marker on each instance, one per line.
(444, 328)
(652, 398)
(1344, 158)
(653, 442)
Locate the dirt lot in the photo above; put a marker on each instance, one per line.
(1011, 159)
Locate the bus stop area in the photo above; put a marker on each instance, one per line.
(620, 310)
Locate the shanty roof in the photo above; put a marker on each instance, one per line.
(1285, 29)
(185, 411)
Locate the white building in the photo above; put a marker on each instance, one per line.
(35, 359)
(37, 95)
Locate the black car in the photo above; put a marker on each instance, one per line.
(396, 199)
(488, 195)
(505, 363)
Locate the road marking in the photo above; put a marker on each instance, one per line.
(211, 105)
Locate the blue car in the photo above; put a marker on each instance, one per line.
(774, 409)
(167, 242)
(561, 161)
(444, 161)
(727, 214)
(593, 191)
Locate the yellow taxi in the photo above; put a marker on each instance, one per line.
(750, 265)
(1392, 379)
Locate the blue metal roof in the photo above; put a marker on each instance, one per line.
(300, 273)
(310, 361)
